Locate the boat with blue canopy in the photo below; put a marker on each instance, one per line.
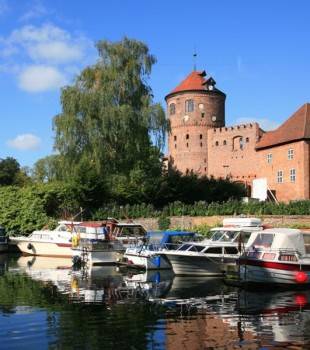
(147, 255)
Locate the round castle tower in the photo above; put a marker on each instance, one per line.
(193, 107)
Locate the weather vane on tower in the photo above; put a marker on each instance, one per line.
(195, 58)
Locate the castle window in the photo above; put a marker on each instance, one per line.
(200, 144)
(241, 143)
(187, 136)
(238, 143)
(224, 143)
(189, 106)
(247, 139)
(216, 143)
(269, 158)
(280, 176)
(175, 137)
(293, 175)
(205, 169)
(202, 115)
(172, 109)
(187, 144)
(200, 136)
(290, 154)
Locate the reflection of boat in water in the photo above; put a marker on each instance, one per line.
(285, 313)
(102, 284)
(47, 270)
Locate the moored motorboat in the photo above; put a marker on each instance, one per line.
(55, 243)
(279, 256)
(59, 242)
(147, 255)
(212, 257)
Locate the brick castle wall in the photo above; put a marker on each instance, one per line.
(232, 152)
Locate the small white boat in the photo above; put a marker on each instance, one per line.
(212, 257)
(279, 255)
(147, 255)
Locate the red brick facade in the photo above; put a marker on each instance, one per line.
(199, 141)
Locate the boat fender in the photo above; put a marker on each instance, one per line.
(76, 260)
(29, 246)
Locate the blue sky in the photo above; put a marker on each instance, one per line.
(257, 51)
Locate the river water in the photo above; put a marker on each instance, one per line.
(45, 304)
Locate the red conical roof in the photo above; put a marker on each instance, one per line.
(297, 127)
(194, 81)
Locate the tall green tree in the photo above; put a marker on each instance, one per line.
(11, 173)
(108, 120)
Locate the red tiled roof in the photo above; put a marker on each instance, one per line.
(194, 81)
(297, 127)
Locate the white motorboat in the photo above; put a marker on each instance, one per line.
(59, 242)
(55, 243)
(212, 257)
(147, 255)
(279, 255)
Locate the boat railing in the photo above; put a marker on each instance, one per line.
(156, 246)
(271, 253)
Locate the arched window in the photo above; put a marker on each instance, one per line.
(175, 137)
(187, 136)
(189, 106)
(172, 108)
(224, 143)
(216, 143)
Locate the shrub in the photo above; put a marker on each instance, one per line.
(163, 222)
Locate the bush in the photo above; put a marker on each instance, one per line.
(163, 223)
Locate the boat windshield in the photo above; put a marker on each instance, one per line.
(263, 240)
(184, 246)
(224, 235)
(156, 238)
(129, 231)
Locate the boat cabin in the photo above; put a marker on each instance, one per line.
(279, 240)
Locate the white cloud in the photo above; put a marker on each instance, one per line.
(25, 142)
(46, 44)
(38, 78)
(264, 123)
(43, 57)
(55, 52)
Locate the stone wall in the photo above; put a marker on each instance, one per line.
(189, 222)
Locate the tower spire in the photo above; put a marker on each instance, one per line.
(195, 58)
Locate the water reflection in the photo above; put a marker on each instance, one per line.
(44, 303)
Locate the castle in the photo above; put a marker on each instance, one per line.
(273, 164)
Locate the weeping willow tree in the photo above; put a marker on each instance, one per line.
(109, 123)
